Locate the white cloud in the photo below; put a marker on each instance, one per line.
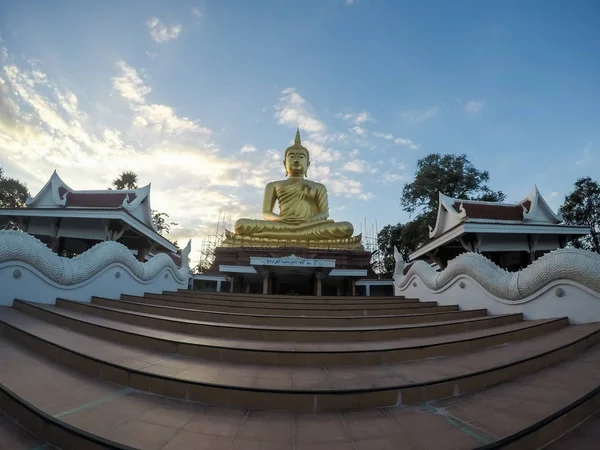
(359, 130)
(129, 84)
(355, 165)
(293, 110)
(554, 194)
(342, 185)
(248, 149)
(356, 118)
(387, 136)
(406, 142)
(151, 55)
(417, 116)
(349, 2)
(155, 117)
(587, 156)
(321, 154)
(162, 33)
(389, 177)
(197, 12)
(474, 106)
(400, 141)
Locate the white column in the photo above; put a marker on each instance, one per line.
(231, 283)
(368, 290)
(218, 285)
(318, 286)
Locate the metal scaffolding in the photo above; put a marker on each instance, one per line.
(213, 241)
(210, 243)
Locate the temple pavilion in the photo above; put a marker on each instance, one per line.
(71, 221)
(512, 235)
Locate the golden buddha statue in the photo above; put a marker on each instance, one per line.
(303, 210)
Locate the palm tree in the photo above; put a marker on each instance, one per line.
(127, 180)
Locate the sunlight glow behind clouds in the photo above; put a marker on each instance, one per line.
(45, 126)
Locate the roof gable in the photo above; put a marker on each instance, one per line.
(56, 194)
(447, 217)
(532, 209)
(539, 211)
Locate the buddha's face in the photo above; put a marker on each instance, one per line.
(296, 162)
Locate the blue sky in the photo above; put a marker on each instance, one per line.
(202, 97)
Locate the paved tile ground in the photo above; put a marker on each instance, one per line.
(152, 422)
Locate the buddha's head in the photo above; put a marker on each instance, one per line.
(296, 158)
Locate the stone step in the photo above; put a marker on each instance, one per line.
(296, 305)
(281, 310)
(92, 407)
(296, 388)
(586, 433)
(290, 353)
(287, 298)
(304, 334)
(14, 437)
(143, 420)
(278, 320)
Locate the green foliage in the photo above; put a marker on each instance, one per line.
(13, 194)
(202, 266)
(405, 237)
(454, 176)
(160, 220)
(127, 180)
(582, 207)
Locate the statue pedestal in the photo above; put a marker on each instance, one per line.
(292, 270)
(235, 241)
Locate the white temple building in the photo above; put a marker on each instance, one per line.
(73, 221)
(512, 235)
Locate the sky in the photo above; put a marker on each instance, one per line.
(201, 98)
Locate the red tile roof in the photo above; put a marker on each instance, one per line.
(176, 258)
(97, 199)
(491, 211)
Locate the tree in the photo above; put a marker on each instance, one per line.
(582, 207)
(127, 180)
(454, 176)
(202, 266)
(160, 220)
(13, 194)
(405, 237)
(389, 237)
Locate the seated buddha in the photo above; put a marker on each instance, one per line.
(303, 205)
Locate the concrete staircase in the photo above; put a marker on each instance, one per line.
(191, 370)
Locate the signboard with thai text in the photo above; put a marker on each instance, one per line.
(291, 261)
